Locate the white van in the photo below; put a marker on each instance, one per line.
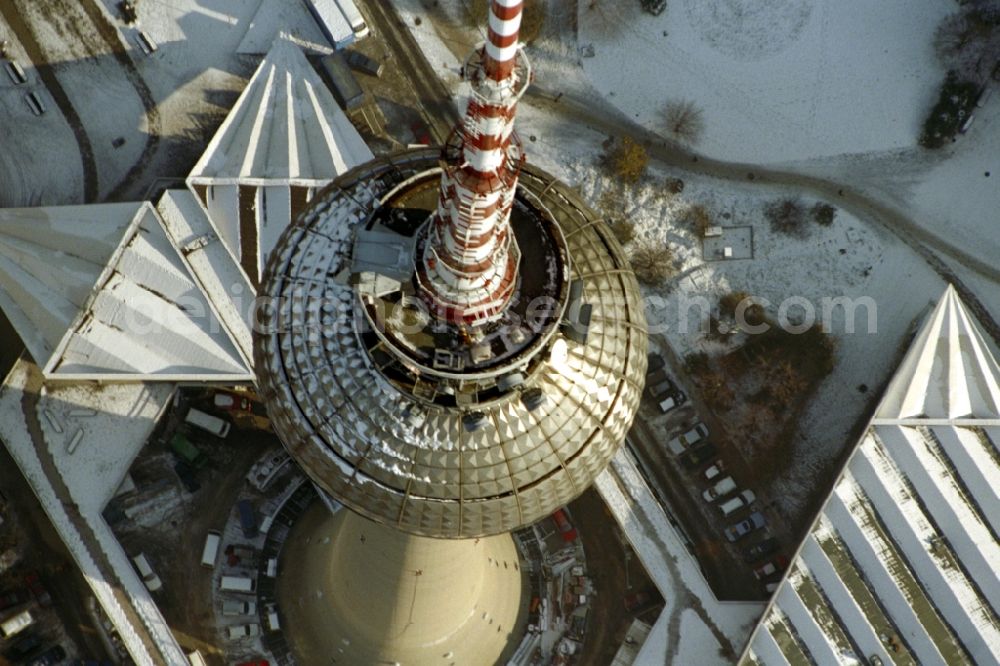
(745, 498)
(272, 618)
(237, 584)
(721, 488)
(232, 607)
(207, 422)
(152, 581)
(211, 550)
(196, 659)
(15, 623)
(238, 631)
(272, 567)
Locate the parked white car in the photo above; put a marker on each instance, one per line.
(721, 488)
(238, 631)
(678, 444)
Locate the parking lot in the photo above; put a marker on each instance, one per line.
(676, 442)
(177, 494)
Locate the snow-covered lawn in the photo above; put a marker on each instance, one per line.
(847, 259)
(779, 80)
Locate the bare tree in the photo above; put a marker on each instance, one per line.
(652, 262)
(969, 40)
(684, 121)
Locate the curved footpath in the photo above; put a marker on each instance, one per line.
(610, 121)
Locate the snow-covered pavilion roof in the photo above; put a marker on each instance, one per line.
(903, 561)
(101, 292)
(286, 127)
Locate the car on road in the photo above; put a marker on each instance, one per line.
(679, 444)
(698, 455)
(777, 565)
(721, 488)
(238, 631)
(15, 72)
(258, 662)
(754, 521)
(654, 363)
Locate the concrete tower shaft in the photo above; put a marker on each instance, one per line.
(469, 264)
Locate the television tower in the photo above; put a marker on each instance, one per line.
(453, 348)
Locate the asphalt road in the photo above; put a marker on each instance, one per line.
(436, 103)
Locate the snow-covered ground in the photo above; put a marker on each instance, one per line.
(777, 81)
(34, 167)
(848, 259)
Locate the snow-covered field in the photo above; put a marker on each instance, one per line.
(848, 259)
(777, 81)
(34, 167)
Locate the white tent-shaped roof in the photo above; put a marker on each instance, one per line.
(949, 373)
(902, 562)
(99, 292)
(286, 128)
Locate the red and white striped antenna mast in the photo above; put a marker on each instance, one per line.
(469, 264)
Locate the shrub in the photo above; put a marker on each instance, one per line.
(629, 160)
(652, 263)
(953, 106)
(674, 185)
(700, 219)
(684, 121)
(823, 213)
(623, 230)
(729, 302)
(697, 363)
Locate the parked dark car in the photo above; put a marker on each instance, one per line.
(759, 550)
(698, 455)
(23, 646)
(359, 62)
(13, 598)
(34, 584)
(187, 475)
(53, 655)
(739, 530)
(248, 518)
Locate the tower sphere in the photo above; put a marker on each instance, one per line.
(424, 424)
